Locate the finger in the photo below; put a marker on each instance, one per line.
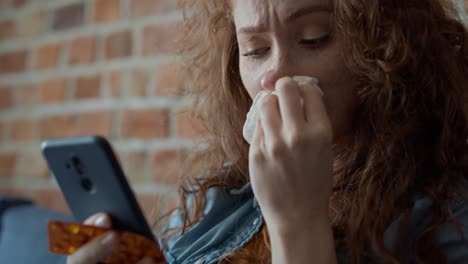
(256, 151)
(258, 138)
(314, 105)
(99, 219)
(270, 118)
(289, 97)
(96, 250)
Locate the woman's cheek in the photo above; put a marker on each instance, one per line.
(251, 83)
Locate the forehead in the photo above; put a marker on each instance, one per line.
(257, 11)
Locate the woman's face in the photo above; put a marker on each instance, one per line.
(280, 38)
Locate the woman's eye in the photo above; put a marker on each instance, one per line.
(310, 43)
(314, 42)
(256, 54)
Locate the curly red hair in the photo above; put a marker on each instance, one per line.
(409, 128)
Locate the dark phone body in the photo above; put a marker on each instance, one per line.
(92, 181)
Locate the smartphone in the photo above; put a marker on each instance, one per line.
(92, 180)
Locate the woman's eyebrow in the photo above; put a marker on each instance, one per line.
(291, 16)
(316, 8)
(252, 29)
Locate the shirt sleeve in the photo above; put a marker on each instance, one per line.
(451, 236)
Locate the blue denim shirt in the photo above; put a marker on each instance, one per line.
(232, 218)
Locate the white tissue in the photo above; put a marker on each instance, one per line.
(252, 115)
(311, 80)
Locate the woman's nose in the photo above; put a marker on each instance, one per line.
(281, 65)
(270, 77)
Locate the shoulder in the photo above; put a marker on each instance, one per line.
(231, 218)
(452, 235)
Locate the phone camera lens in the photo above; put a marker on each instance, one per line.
(78, 165)
(87, 184)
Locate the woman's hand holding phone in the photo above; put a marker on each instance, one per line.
(102, 246)
(92, 181)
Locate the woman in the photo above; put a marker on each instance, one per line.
(371, 171)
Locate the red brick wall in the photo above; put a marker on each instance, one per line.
(74, 67)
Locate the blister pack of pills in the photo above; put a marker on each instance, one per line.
(65, 238)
